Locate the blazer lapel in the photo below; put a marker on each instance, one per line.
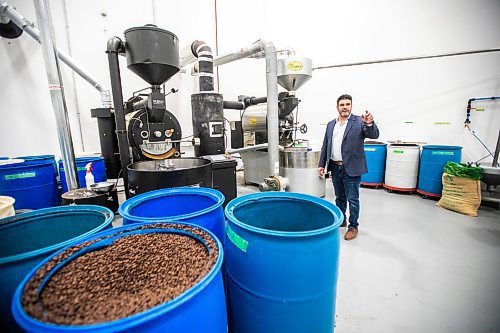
(330, 135)
(349, 126)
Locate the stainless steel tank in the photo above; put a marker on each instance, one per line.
(300, 167)
(255, 118)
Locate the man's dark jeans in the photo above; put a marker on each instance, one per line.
(346, 190)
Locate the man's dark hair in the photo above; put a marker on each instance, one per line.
(344, 96)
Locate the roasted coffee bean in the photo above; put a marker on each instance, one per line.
(132, 275)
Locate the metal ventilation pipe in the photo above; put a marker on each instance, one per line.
(207, 106)
(256, 50)
(56, 91)
(205, 65)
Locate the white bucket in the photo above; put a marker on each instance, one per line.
(6, 206)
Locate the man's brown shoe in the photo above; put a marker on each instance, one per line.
(351, 233)
(344, 224)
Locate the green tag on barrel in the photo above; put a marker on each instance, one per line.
(398, 151)
(20, 175)
(239, 242)
(448, 153)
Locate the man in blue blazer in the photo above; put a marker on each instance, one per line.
(343, 155)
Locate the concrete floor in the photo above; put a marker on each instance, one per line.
(416, 267)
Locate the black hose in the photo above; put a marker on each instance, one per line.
(233, 105)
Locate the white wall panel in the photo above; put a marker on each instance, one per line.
(407, 98)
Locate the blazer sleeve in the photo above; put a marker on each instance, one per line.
(322, 158)
(370, 132)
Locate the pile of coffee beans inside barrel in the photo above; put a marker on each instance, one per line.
(133, 274)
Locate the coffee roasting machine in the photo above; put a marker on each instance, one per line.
(297, 163)
(147, 144)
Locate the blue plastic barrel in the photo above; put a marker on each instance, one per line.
(99, 171)
(32, 183)
(36, 158)
(28, 238)
(201, 308)
(432, 163)
(375, 159)
(282, 253)
(201, 206)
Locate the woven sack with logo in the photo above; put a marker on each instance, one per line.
(461, 188)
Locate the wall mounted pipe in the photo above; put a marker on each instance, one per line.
(49, 51)
(114, 47)
(468, 121)
(441, 55)
(30, 28)
(254, 51)
(469, 106)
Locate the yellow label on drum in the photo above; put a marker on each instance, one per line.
(252, 121)
(295, 66)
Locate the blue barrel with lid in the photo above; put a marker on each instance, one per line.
(432, 163)
(375, 154)
(36, 158)
(32, 183)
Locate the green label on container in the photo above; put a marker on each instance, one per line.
(20, 175)
(369, 149)
(239, 242)
(77, 168)
(398, 151)
(441, 123)
(478, 109)
(448, 153)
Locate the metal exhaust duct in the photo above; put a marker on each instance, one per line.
(56, 91)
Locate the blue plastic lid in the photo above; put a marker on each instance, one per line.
(442, 147)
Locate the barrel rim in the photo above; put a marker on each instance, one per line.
(129, 322)
(129, 204)
(36, 157)
(442, 147)
(233, 204)
(26, 164)
(404, 145)
(62, 210)
(83, 159)
(208, 164)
